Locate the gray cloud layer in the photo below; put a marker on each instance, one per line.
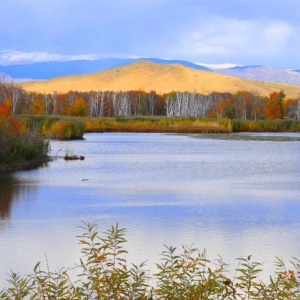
(210, 31)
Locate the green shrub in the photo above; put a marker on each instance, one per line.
(104, 273)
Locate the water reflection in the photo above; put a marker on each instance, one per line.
(7, 192)
(11, 190)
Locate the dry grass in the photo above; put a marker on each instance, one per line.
(166, 125)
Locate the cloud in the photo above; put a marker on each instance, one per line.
(231, 40)
(212, 31)
(278, 33)
(16, 57)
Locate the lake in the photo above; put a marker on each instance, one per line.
(232, 198)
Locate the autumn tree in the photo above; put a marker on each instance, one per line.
(63, 104)
(12, 92)
(9, 126)
(11, 129)
(223, 108)
(38, 106)
(26, 103)
(274, 105)
(78, 108)
(292, 108)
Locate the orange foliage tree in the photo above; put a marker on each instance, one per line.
(10, 126)
(292, 108)
(274, 105)
(38, 105)
(224, 109)
(78, 108)
(11, 130)
(62, 104)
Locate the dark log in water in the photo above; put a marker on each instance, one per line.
(74, 157)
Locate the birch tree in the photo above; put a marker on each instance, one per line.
(54, 99)
(121, 104)
(96, 104)
(15, 97)
(150, 102)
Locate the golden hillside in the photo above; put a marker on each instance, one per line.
(148, 76)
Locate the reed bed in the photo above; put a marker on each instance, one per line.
(166, 125)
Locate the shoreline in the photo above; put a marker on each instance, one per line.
(246, 137)
(28, 165)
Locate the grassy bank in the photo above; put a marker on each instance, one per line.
(75, 127)
(104, 273)
(266, 126)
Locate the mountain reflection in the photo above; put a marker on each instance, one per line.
(10, 189)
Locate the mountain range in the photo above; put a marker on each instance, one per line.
(49, 70)
(162, 78)
(45, 71)
(262, 73)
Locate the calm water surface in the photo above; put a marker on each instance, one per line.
(232, 198)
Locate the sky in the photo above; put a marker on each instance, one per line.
(244, 32)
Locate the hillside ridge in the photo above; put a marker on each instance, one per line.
(162, 78)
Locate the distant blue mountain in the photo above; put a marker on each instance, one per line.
(262, 73)
(241, 68)
(5, 78)
(48, 70)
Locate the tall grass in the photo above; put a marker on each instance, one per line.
(266, 126)
(93, 125)
(104, 273)
(176, 125)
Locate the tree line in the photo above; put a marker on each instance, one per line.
(243, 105)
